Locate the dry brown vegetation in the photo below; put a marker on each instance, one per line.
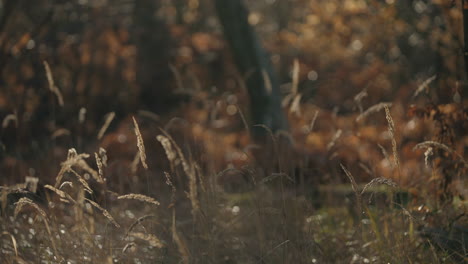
(372, 169)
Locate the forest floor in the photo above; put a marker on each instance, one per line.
(312, 195)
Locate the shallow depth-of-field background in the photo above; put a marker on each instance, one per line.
(126, 134)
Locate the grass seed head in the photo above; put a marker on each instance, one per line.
(139, 197)
(140, 144)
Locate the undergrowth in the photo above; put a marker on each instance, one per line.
(261, 212)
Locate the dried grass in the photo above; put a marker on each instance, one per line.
(103, 155)
(379, 181)
(76, 160)
(150, 238)
(355, 188)
(134, 164)
(181, 246)
(295, 76)
(66, 183)
(109, 117)
(65, 197)
(312, 123)
(52, 87)
(99, 165)
(139, 197)
(9, 118)
(170, 184)
(358, 99)
(128, 246)
(424, 85)
(244, 121)
(166, 143)
(82, 115)
(83, 182)
(295, 105)
(373, 109)
(434, 144)
(13, 241)
(427, 156)
(104, 212)
(138, 221)
(190, 171)
(26, 201)
(386, 156)
(60, 132)
(267, 82)
(140, 144)
(391, 130)
(335, 138)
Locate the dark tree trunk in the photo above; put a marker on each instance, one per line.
(153, 43)
(465, 34)
(254, 64)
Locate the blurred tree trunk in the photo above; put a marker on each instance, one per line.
(152, 40)
(465, 35)
(254, 65)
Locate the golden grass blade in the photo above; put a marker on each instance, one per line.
(335, 138)
(150, 238)
(391, 130)
(267, 81)
(355, 188)
(77, 160)
(379, 181)
(9, 118)
(140, 144)
(166, 143)
(13, 241)
(295, 76)
(104, 212)
(60, 132)
(296, 106)
(372, 109)
(312, 123)
(181, 246)
(66, 183)
(103, 155)
(351, 179)
(63, 195)
(428, 144)
(424, 85)
(138, 221)
(82, 115)
(358, 99)
(99, 165)
(52, 87)
(52, 240)
(26, 201)
(139, 197)
(109, 117)
(434, 144)
(189, 169)
(134, 164)
(83, 182)
(128, 246)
